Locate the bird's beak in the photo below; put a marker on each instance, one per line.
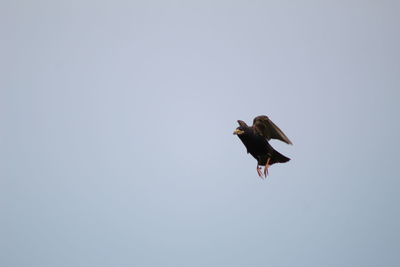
(237, 131)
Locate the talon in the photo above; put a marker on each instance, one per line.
(266, 171)
(266, 168)
(259, 172)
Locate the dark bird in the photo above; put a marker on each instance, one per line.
(255, 139)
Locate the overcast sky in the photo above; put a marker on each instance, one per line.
(116, 145)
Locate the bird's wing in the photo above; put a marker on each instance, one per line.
(264, 126)
(242, 124)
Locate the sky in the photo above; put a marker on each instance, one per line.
(116, 133)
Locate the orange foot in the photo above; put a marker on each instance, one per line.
(266, 168)
(259, 171)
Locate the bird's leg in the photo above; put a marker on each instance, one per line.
(266, 167)
(259, 171)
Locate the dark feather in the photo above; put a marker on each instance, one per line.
(265, 127)
(256, 137)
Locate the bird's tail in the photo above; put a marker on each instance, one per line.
(279, 158)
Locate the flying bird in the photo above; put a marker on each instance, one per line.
(255, 139)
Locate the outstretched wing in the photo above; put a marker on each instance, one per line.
(242, 124)
(265, 127)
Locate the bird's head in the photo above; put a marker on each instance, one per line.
(241, 129)
(238, 131)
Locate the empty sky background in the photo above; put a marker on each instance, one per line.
(116, 133)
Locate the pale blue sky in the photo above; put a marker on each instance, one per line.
(116, 133)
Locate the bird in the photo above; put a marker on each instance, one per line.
(255, 138)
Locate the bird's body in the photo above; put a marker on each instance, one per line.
(255, 139)
(260, 149)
